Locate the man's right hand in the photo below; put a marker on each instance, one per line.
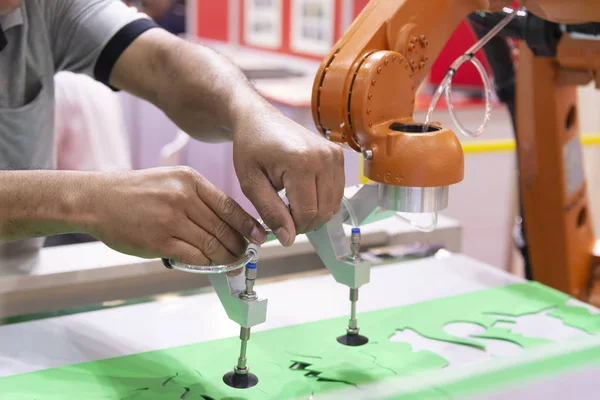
(172, 213)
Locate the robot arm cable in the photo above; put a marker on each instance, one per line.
(469, 56)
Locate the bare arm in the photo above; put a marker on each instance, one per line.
(200, 90)
(42, 203)
(161, 212)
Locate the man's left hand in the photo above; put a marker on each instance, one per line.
(270, 153)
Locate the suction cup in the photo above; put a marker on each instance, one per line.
(352, 340)
(240, 381)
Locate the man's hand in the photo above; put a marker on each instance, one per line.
(270, 153)
(172, 213)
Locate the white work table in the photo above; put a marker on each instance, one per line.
(177, 321)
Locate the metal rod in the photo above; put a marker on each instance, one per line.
(248, 293)
(242, 367)
(250, 286)
(353, 323)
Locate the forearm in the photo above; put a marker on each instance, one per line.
(43, 203)
(207, 91)
(197, 88)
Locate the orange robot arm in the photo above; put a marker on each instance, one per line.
(364, 95)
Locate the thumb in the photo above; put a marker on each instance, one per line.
(271, 208)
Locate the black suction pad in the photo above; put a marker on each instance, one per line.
(240, 381)
(352, 340)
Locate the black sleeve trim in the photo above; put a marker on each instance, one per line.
(3, 41)
(117, 45)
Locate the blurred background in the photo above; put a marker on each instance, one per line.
(279, 44)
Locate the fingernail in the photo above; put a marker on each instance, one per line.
(258, 235)
(282, 235)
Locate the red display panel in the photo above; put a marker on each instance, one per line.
(212, 19)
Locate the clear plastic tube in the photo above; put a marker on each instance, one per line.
(446, 84)
(351, 213)
(488, 101)
(436, 98)
(495, 30)
(251, 255)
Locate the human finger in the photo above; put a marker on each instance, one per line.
(205, 218)
(185, 253)
(209, 245)
(301, 192)
(271, 208)
(229, 211)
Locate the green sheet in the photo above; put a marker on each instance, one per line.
(321, 364)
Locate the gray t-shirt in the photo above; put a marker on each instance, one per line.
(42, 38)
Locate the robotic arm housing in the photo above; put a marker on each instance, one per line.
(364, 93)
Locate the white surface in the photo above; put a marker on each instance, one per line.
(458, 355)
(48, 343)
(546, 327)
(539, 325)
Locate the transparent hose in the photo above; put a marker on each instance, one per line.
(436, 97)
(487, 94)
(251, 255)
(446, 85)
(351, 213)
